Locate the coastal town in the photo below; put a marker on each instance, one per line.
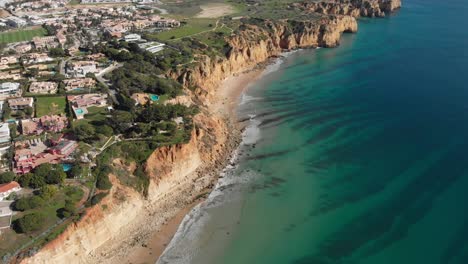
(97, 97)
(57, 97)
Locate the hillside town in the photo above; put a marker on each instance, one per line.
(58, 97)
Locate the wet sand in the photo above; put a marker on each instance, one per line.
(227, 100)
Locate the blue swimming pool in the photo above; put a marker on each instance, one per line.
(154, 97)
(66, 167)
(79, 111)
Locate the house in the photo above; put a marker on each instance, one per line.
(23, 48)
(5, 60)
(79, 83)
(48, 42)
(20, 103)
(153, 47)
(43, 87)
(36, 126)
(167, 23)
(33, 58)
(30, 127)
(9, 89)
(53, 123)
(64, 148)
(16, 22)
(10, 76)
(8, 188)
(80, 103)
(81, 68)
(32, 153)
(4, 133)
(132, 38)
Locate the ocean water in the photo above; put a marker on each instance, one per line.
(352, 155)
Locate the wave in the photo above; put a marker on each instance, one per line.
(225, 200)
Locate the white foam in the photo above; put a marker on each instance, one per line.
(245, 98)
(199, 226)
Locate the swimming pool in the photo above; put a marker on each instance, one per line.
(79, 111)
(154, 97)
(66, 167)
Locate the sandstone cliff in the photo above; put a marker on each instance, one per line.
(175, 172)
(254, 44)
(354, 8)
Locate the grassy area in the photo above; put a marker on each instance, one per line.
(193, 26)
(96, 114)
(11, 241)
(21, 35)
(50, 105)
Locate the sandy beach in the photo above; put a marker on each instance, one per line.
(226, 102)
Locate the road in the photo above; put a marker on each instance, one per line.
(101, 79)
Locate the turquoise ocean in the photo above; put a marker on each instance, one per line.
(357, 154)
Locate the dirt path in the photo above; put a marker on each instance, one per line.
(215, 10)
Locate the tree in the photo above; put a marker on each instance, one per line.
(6, 177)
(84, 132)
(56, 52)
(20, 114)
(6, 111)
(76, 171)
(43, 170)
(25, 180)
(121, 120)
(35, 202)
(28, 110)
(55, 177)
(29, 223)
(47, 192)
(21, 204)
(102, 181)
(105, 130)
(36, 182)
(68, 209)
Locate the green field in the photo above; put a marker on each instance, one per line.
(21, 35)
(193, 26)
(50, 105)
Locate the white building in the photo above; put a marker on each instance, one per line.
(8, 188)
(153, 47)
(132, 38)
(9, 89)
(20, 103)
(16, 22)
(4, 133)
(79, 69)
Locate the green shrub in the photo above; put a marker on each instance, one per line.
(29, 223)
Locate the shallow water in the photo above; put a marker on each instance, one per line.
(354, 155)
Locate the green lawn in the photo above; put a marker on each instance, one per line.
(193, 26)
(21, 35)
(96, 113)
(50, 105)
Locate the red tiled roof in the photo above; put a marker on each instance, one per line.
(8, 186)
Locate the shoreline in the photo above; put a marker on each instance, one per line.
(226, 102)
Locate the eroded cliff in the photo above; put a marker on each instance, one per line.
(354, 8)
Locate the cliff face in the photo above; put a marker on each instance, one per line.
(174, 171)
(255, 44)
(354, 8)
